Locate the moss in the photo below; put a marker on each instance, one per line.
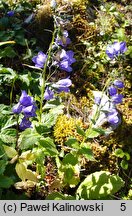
(66, 127)
(44, 25)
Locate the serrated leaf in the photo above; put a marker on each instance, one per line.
(72, 143)
(8, 135)
(10, 151)
(86, 151)
(7, 122)
(49, 146)
(3, 164)
(28, 138)
(25, 78)
(42, 129)
(4, 110)
(99, 185)
(5, 182)
(80, 131)
(70, 159)
(94, 132)
(71, 176)
(49, 119)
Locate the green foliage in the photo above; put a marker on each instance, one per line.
(125, 158)
(99, 185)
(5, 182)
(48, 146)
(28, 139)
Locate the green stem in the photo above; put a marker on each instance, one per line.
(17, 133)
(11, 93)
(44, 75)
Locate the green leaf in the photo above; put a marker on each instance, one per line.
(7, 73)
(5, 182)
(119, 153)
(3, 164)
(19, 38)
(31, 176)
(24, 173)
(7, 123)
(86, 151)
(71, 175)
(10, 151)
(50, 118)
(70, 159)
(4, 110)
(121, 34)
(72, 143)
(52, 104)
(99, 185)
(25, 78)
(28, 138)
(8, 135)
(127, 155)
(8, 52)
(42, 129)
(80, 131)
(124, 164)
(94, 132)
(49, 146)
(21, 171)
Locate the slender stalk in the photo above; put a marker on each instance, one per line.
(44, 75)
(17, 135)
(11, 93)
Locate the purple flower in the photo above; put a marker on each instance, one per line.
(27, 107)
(104, 110)
(112, 90)
(70, 58)
(29, 111)
(39, 60)
(64, 65)
(119, 84)
(49, 94)
(115, 49)
(17, 108)
(62, 85)
(65, 60)
(25, 99)
(64, 40)
(117, 98)
(25, 123)
(10, 13)
(113, 118)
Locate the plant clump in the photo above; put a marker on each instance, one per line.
(66, 127)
